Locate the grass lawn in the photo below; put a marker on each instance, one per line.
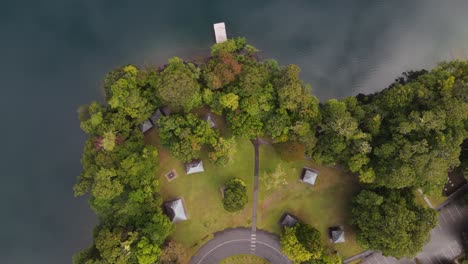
(244, 259)
(323, 205)
(436, 199)
(201, 193)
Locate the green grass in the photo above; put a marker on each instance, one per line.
(201, 193)
(436, 199)
(324, 205)
(244, 259)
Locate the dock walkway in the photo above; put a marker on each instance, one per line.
(220, 32)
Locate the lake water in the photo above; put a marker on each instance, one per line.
(54, 54)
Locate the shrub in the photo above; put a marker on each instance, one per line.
(235, 195)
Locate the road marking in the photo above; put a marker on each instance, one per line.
(445, 220)
(456, 208)
(430, 260)
(385, 259)
(451, 215)
(376, 258)
(452, 250)
(238, 240)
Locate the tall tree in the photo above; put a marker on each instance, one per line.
(390, 221)
(178, 85)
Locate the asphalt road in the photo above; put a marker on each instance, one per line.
(446, 240)
(238, 241)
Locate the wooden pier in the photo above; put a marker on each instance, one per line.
(220, 32)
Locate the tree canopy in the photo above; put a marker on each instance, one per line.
(235, 195)
(403, 137)
(390, 221)
(301, 243)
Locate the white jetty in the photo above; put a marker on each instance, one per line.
(220, 32)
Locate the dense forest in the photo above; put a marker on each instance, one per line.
(406, 136)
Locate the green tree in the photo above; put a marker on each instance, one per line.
(128, 98)
(147, 252)
(292, 248)
(223, 151)
(230, 101)
(309, 237)
(235, 195)
(178, 85)
(390, 221)
(185, 135)
(289, 87)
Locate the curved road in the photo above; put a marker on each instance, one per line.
(237, 241)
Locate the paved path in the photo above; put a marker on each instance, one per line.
(243, 240)
(255, 199)
(237, 241)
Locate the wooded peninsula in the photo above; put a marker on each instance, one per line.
(406, 137)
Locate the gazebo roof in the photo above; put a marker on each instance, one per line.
(210, 120)
(194, 166)
(288, 220)
(337, 235)
(147, 125)
(165, 110)
(309, 176)
(176, 210)
(156, 115)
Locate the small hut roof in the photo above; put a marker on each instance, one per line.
(176, 210)
(288, 220)
(156, 115)
(210, 120)
(165, 110)
(309, 176)
(147, 125)
(338, 236)
(194, 166)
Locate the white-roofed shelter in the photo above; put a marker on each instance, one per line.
(176, 210)
(337, 234)
(309, 175)
(147, 125)
(194, 167)
(210, 120)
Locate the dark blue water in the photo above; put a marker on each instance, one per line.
(54, 54)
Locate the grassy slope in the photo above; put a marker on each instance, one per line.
(244, 259)
(202, 195)
(323, 205)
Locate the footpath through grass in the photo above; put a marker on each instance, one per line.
(244, 259)
(324, 205)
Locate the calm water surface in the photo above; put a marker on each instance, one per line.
(54, 54)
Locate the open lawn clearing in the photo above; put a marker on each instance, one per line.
(244, 259)
(201, 193)
(323, 205)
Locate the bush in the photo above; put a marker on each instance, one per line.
(235, 195)
(465, 199)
